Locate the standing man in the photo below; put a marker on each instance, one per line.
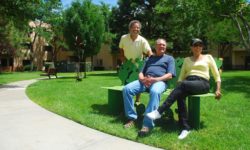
(156, 71)
(133, 45)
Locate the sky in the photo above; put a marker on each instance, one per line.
(67, 3)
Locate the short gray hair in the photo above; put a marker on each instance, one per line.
(161, 39)
(133, 22)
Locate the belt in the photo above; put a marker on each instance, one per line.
(196, 78)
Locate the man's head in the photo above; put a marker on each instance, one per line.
(134, 27)
(160, 47)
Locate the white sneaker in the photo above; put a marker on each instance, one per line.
(154, 115)
(184, 134)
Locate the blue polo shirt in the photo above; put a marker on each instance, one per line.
(157, 66)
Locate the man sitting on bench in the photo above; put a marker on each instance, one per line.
(157, 69)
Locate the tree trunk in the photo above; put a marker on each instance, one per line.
(242, 25)
(85, 68)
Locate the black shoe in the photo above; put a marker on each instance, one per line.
(144, 132)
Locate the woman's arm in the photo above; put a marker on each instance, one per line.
(218, 90)
(216, 76)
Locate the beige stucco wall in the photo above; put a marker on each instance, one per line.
(104, 58)
(238, 58)
(64, 55)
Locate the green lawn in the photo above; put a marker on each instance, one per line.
(7, 77)
(224, 123)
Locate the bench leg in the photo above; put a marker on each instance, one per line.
(115, 101)
(194, 112)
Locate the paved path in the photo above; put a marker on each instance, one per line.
(26, 126)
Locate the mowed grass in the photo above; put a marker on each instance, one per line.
(7, 77)
(224, 123)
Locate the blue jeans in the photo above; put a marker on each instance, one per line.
(136, 87)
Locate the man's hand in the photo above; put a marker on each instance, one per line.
(148, 81)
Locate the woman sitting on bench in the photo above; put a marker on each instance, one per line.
(193, 79)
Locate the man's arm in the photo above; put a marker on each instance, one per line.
(149, 53)
(122, 57)
(148, 80)
(165, 77)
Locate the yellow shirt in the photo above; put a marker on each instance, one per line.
(199, 68)
(134, 49)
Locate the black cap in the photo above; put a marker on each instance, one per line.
(196, 41)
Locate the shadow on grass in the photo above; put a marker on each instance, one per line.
(110, 74)
(9, 86)
(71, 77)
(63, 79)
(100, 109)
(167, 123)
(104, 110)
(237, 85)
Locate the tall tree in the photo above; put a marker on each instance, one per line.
(187, 20)
(14, 17)
(222, 34)
(45, 21)
(239, 12)
(83, 29)
(18, 11)
(154, 24)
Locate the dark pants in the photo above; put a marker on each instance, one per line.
(190, 86)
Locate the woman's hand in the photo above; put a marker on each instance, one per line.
(217, 94)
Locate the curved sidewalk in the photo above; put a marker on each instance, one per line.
(26, 126)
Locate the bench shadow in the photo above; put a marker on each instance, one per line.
(101, 109)
(169, 124)
(202, 125)
(166, 123)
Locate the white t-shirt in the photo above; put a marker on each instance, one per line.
(134, 49)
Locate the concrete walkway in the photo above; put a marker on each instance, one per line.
(26, 126)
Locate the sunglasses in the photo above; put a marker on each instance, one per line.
(197, 45)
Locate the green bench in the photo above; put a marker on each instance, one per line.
(129, 72)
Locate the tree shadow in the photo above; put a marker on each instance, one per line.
(108, 74)
(236, 84)
(72, 77)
